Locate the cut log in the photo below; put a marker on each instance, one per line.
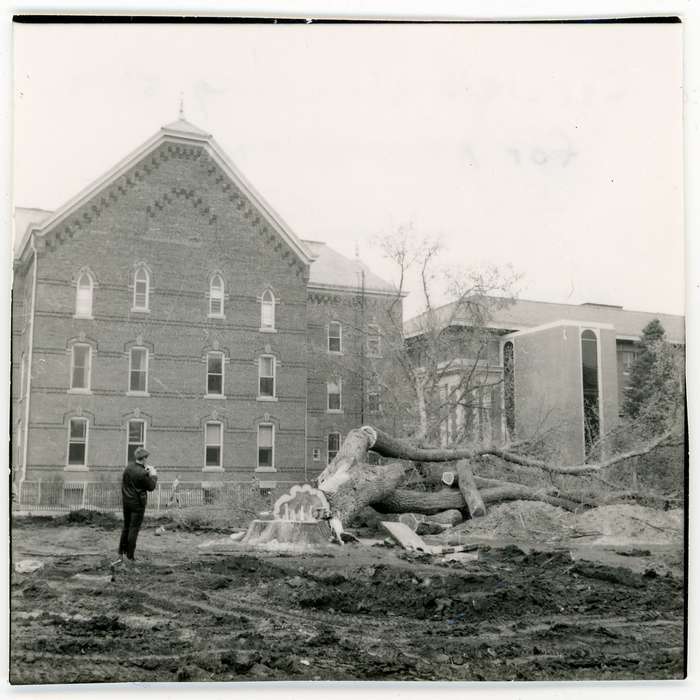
(468, 489)
(431, 502)
(447, 517)
(363, 485)
(428, 527)
(352, 452)
(426, 502)
(523, 493)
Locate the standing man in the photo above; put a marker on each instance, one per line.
(136, 481)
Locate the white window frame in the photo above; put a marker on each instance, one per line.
(220, 466)
(339, 384)
(340, 442)
(129, 390)
(88, 371)
(268, 298)
(216, 296)
(372, 329)
(128, 442)
(222, 395)
(339, 351)
(77, 466)
(141, 269)
(265, 397)
(266, 468)
(625, 353)
(87, 314)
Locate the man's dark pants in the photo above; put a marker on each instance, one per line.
(133, 517)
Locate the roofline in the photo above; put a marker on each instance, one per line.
(561, 303)
(163, 135)
(559, 324)
(355, 290)
(275, 219)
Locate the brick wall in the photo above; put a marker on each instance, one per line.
(182, 219)
(353, 364)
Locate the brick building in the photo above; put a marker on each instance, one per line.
(167, 305)
(554, 369)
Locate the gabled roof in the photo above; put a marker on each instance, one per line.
(525, 313)
(332, 270)
(23, 220)
(182, 126)
(180, 131)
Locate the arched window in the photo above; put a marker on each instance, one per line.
(266, 446)
(216, 295)
(77, 442)
(142, 284)
(333, 446)
(80, 367)
(267, 311)
(335, 337)
(83, 296)
(589, 378)
(135, 437)
(213, 444)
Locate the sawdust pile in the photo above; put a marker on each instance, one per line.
(517, 519)
(541, 522)
(623, 523)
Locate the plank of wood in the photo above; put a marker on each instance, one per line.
(406, 537)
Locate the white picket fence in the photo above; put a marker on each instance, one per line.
(38, 496)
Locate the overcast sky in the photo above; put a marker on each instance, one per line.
(556, 149)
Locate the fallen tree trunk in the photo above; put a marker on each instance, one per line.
(352, 452)
(389, 446)
(431, 502)
(469, 490)
(350, 483)
(367, 484)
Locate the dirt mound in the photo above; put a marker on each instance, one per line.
(107, 521)
(530, 520)
(622, 523)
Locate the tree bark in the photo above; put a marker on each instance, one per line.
(469, 490)
(367, 484)
(431, 502)
(351, 452)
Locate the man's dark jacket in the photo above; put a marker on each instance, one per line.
(135, 482)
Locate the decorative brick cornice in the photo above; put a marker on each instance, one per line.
(181, 193)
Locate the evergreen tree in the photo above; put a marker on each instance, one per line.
(655, 394)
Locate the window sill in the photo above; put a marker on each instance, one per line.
(265, 470)
(267, 398)
(80, 391)
(218, 397)
(139, 311)
(336, 352)
(212, 469)
(137, 393)
(335, 410)
(221, 317)
(85, 318)
(75, 468)
(268, 330)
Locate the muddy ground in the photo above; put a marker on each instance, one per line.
(358, 613)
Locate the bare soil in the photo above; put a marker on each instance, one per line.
(519, 612)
